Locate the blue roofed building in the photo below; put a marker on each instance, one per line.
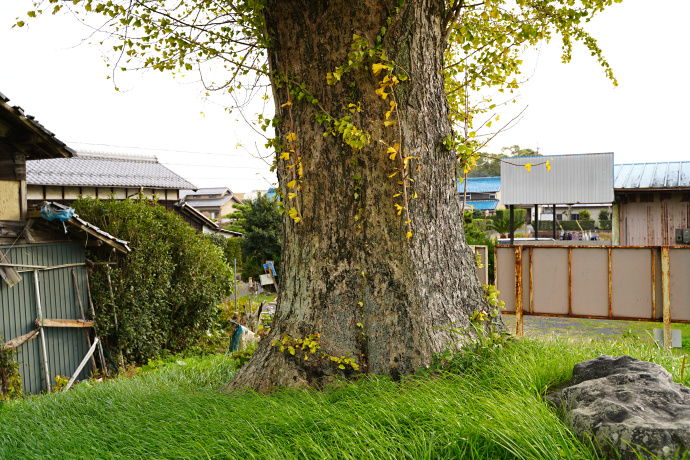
(483, 193)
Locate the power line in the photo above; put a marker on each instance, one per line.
(158, 150)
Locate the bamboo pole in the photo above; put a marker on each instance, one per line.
(89, 354)
(39, 313)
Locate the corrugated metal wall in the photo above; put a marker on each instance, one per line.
(573, 179)
(66, 347)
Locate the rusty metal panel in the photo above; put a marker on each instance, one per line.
(586, 178)
(505, 276)
(550, 280)
(590, 282)
(631, 282)
(679, 274)
(518, 291)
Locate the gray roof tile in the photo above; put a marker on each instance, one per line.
(101, 170)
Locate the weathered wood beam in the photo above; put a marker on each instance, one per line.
(14, 343)
(77, 323)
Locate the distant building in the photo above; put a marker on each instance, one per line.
(102, 175)
(214, 203)
(652, 203)
(483, 193)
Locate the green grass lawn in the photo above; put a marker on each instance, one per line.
(490, 410)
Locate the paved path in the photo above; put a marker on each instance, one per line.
(575, 327)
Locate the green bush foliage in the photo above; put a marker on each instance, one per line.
(519, 214)
(165, 292)
(584, 214)
(604, 215)
(477, 237)
(10, 379)
(231, 247)
(605, 224)
(480, 224)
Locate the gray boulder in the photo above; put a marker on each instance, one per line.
(631, 408)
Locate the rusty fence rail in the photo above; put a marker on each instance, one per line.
(612, 282)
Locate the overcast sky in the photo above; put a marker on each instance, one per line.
(571, 108)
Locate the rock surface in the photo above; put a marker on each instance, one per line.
(629, 406)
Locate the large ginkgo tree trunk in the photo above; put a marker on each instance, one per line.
(358, 293)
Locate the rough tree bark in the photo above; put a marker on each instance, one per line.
(411, 292)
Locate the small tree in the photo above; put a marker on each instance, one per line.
(585, 215)
(260, 221)
(604, 215)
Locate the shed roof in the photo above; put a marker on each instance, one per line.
(665, 175)
(89, 169)
(22, 132)
(481, 184)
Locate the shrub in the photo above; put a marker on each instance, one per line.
(585, 214)
(10, 379)
(479, 224)
(164, 293)
(604, 215)
(231, 247)
(605, 224)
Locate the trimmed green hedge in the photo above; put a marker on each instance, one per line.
(567, 225)
(605, 224)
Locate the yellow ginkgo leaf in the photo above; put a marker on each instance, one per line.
(381, 93)
(548, 165)
(292, 184)
(285, 156)
(409, 235)
(399, 208)
(528, 166)
(376, 68)
(291, 196)
(291, 137)
(389, 123)
(286, 104)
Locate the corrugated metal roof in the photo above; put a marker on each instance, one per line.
(101, 170)
(674, 174)
(483, 205)
(481, 184)
(584, 178)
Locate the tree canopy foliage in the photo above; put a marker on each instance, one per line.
(226, 44)
(489, 165)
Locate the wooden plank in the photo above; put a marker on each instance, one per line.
(518, 291)
(14, 343)
(78, 323)
(666, 294)
(89, 354)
